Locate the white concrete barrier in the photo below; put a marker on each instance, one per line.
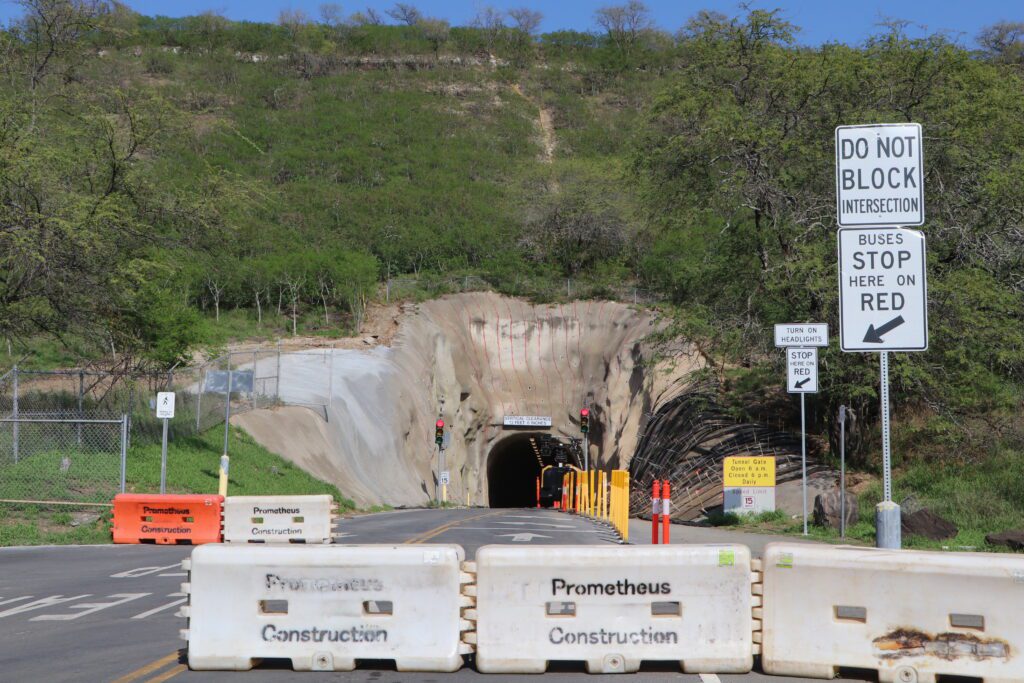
(325, 606)
(278, 519)
(912, 616)
(614, 607)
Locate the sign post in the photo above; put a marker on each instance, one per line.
(842, 471)
(801, 341)
(802, 378)
(164, 411)
(883, 291)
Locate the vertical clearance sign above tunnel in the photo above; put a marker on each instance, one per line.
(879, 175)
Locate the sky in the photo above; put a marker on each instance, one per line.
(848, 21)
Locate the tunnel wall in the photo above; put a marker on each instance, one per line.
(474, 358)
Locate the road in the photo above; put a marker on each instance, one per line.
(107, 613)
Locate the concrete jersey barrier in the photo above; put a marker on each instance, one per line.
(614, 607)
(910, 615)
(279, 519)
(324, 607)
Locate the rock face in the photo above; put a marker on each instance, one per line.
(1014, 540)
(828, 509)
(471, 359)
(926, 523)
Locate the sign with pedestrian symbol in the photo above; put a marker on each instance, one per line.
(883, 290)
(165, 405)
(802, 370)
(879, 175)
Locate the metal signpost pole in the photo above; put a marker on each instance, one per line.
(887, 514)
(803, 455)
(163, 460)
(586, 453)
(842, 471)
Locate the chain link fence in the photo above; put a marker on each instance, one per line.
(54, 460)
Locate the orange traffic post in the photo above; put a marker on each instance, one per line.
(655, 510)
(538, 491)
(666, 519)
(167, 519)
(565, 490)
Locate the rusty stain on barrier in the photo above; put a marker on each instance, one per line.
(905, 642)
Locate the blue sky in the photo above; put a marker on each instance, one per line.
(821, 20)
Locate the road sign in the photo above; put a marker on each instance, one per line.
(801, 334)
(883, 290)
(879, 175)
(748, 471)
(527, 421)
(802, 371)
(443, 478)
(165, 405)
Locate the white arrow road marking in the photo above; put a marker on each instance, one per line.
(7, 602)
(174, 574)
(162, 607)
(343, 534)
(90, 607)
(40, 603)
(527, 537)
(144, 571)
(709, 678)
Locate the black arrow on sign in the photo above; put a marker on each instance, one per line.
(874, 335)
(801, 383)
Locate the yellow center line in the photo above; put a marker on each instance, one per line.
(438, 530)
(167, 675)
(148, 668)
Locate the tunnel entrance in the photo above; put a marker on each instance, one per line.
(512, 471)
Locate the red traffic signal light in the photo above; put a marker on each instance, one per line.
(584, 420)
(439, 432)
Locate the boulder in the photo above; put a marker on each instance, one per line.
(1014, 540)
(828, 510)
(927, 524)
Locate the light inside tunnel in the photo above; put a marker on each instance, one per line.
(512, 471)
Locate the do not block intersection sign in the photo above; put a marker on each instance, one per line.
(883, 291)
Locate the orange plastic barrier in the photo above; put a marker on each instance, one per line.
(167, 519)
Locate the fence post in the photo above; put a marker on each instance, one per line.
(15, 414)
(81, 391)
(227, 406)
(254, 379)
(199, 396)
(277, 391)
(124, 449)
(330, 379)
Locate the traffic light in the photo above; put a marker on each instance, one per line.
(439, 432)
(584, 420)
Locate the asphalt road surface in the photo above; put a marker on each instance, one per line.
(107, 613)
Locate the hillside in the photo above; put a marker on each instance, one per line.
(167, 185)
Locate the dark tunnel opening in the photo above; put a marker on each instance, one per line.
(512, 471)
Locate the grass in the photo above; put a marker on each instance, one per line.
(192, 467)
(980, 498)
(193, 462)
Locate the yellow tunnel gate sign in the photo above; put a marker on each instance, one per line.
(741, 471)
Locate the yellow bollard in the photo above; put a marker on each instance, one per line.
(222, 488)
